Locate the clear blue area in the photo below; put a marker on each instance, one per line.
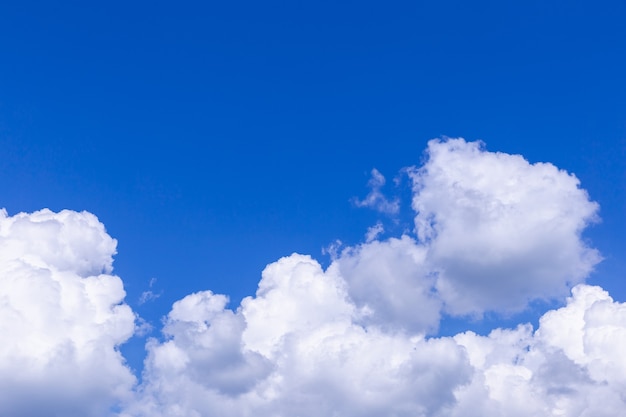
(212, 138)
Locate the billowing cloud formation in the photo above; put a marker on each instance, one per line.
(61, 317)
(297, 349)
(573, 365)
(493, 232)
(294, 349)
(391, 284)
(500, 231)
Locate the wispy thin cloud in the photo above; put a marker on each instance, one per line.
(375, 199)
(149, 295)
(374, 232)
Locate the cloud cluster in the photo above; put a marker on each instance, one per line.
(358, 338)
(61, 316)
(297, 349)
(294, 349)
(571, 366)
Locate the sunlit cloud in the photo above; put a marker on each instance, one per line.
(493, 233)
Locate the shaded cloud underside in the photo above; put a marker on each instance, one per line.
(493, 232)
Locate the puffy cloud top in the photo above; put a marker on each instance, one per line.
(61, 318)
(391, 284)
(500, 231)
(571, 366)
(65, 241)
(294, 349)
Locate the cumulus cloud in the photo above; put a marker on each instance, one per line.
(500, 230)
(571, 366)
(391, 284)
(493, 232)
(359, 338)
(307, 360)
(61, 316)
(296, 348)
(376, 199)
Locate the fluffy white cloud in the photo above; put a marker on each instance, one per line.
(201, 368)
(500, 231)
(294, 349)
(571, 366)
(61, 317)
(492, 233)
(391, 284)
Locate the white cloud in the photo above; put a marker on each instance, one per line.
(294, 349)
(493, 232)
(306, 360)
(376, 199)
(571, 366)
(61, 316)
(373, 232)
(500, 231)
(149, 295)
(390, 283)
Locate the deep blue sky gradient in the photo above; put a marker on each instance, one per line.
(212, 138)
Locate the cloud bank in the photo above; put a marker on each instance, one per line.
(493, 232)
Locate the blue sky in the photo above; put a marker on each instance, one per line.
(213, 138)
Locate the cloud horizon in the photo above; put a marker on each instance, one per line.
(493, 233)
